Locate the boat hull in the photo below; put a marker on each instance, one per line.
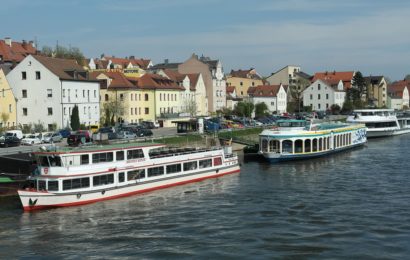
(35, 200)
(386, 133)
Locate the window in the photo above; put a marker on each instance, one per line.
(217, 161)
(318, 96)
(318, 106)
(76, 93)
(83, 92)
(146, 97)
(121, 177)
(241, 83)
(119, 155)
(38, 75)
(173, 168)
(132, 110)
(146, 110)
(318, 86)
(50, 111)
(205, 163)
(53, 185)
(311, 96)
(24, 111)
(155, 171)
(136, 174)
(188, 166)
(76, 183)
(41, 185)
(327, 96)
(95, 93)
(121, 97)
(102, 157)
(23, 75)
(103, 179)
(85, 159)
(137, 153)
(272, 103)
(63, 92)
(106, 97)
(160, 96)
(24, 93)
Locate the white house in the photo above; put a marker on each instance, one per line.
(274, 96)
(398, 95)
(322, 94)
(47, 89)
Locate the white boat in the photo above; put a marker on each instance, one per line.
(317, 140)
(381, 122)
(76, 176)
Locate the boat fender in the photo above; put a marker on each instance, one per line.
(78, 195)
(103, 192)
(217, 170)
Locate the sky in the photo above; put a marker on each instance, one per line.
(370, 36)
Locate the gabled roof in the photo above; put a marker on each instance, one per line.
(374, 80)
(230, 89)
(396, 88)
(193, 78)
(303, 75)
(142, 63)
(249, 74)
(118, 79)
(166, 65)
(264, 90)
(65, 69)
(345, 76)
(154, 81)
(17, 51)
(332, 83)
(174, 75)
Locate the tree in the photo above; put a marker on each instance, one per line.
(295, 92)
(335, 109)
(243, 109)
(113, 111)
(407, 77)
(191, 107)
(38, 127)
(360, 85)
(261, 109)
(64, 53)
(75, 119)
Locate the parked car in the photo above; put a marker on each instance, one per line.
(9, 141)
(110, 131)
(126, 135)
(78, 138)
(16, 133)
(144, 132)
(30, 140)
(149, 124)
(64, 133)
(52, 138)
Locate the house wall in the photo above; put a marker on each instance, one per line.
(36, 102)
(323, 98)
(201, 97)
(281, 98)
(7, 102)
(271, 102)
(242, 84)
(283, 76)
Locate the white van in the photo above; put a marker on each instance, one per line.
(16, 133)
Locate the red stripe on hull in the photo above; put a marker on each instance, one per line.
(33, 208)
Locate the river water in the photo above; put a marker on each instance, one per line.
(353, 205)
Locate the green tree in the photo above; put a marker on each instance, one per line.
(75, 119)
(114, 110)
(65, 53)
(261, 109)
(360, 86)
(243, 109)
(335, 109)
(39, 127)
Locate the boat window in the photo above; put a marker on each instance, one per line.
(41, 185)
(156, 171)
(136, 153)
(43, 161)
(55, 161)
(119, 155)
(189, 166)
(205, 163)
(85, 159)
(136, 174)
(298, 146)
(264, 145)
(307, 146)
(173, 168)
(53, 185)
(76, 183)
(102, 157)
(287, 146)
(274, 146)
(103, 179)
(121, 177)
(314, 145)
(217, 161)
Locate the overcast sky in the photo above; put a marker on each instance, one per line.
(367, 35)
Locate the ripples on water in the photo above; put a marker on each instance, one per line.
(350, 205)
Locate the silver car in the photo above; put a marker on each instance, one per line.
(52, 138)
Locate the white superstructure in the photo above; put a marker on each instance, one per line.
(381, 122)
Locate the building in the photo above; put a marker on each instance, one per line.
(345, 76)
(376, 91)
(14, 52)
(274, 96)
(193, 99)
(242, 80)
(398, 95)
(322, 94)
(232, 98)
(7, 103)
(213, 76)
(47, 89)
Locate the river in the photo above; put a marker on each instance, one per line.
(353, 205)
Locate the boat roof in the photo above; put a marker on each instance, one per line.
(319, 129)
(94, 148)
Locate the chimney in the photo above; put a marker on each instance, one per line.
(166, 61)
(326, 73)
(7, 40)
(132, 57)
(334, 72)
(24, 44)
(32, 44)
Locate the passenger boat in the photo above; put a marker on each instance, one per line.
(285, 144)
(76, 176)
(381, 122)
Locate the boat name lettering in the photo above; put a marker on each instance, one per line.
(136, 160)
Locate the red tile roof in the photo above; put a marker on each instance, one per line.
(250, 74)
(331, 77)
(17, 51)
(154, 81)
(118, 79)
(193, 78)
(123, 62)
(230, 89)
(396, 88)
(264, 90)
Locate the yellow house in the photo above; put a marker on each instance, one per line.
(8, 115)
(242, 80)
